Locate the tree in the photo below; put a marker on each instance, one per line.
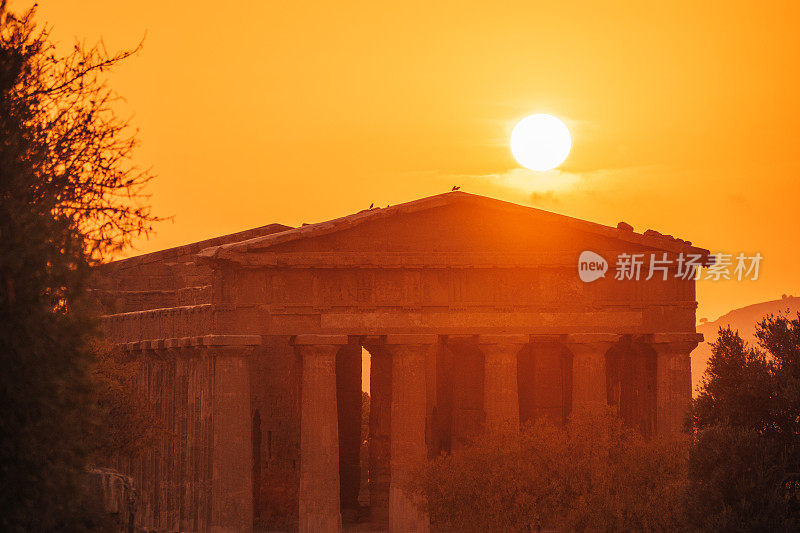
(594, 474)
(735, 482)
(780, 337)
(736, 389)
(69, 196)
(746, 434)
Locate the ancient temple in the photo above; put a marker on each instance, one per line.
(471, 311)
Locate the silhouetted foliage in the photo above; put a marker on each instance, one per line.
(736, 389)
(595, 475)
(68, 197)
(745, 423)
(124, 422)
(736, 481)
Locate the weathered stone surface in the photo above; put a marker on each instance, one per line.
(348, 400)
(380, 429)
(231, 467)
(408, 450)
(319, 441)
(589, 371)
(460, 393)
(673, 385)
(545, 381)
(500, 395)
(631, 384)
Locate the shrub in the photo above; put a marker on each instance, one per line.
(593, 474)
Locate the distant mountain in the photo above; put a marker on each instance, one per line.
(744, 320)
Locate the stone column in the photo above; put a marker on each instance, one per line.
(348, 386)
(231, 457)
(673, 380)
(408, 448)
(380, 421)
(589, 369)
(320, 508)
(181, 389)
(500, 392)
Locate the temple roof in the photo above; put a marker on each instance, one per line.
(624, 233)
(178, 252)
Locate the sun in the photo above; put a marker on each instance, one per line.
(540, 142)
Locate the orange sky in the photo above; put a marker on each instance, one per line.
(684, 116)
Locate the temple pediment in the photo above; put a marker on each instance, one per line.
(454, 228)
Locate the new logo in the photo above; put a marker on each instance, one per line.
(591, 266)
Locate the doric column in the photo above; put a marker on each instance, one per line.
(231, 457)
(380, 392)
(673, 379)
(180, 356)
(408, 450)
(348, 387)
(589, 369)
(320, 509)
(500, 393)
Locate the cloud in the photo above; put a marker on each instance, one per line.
(535, 185)
(556, 187)
(542, 198)
(535, 182)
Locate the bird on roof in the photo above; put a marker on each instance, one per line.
(372, 205)
(455, 188)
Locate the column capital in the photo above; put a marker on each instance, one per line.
(541, 338)
(592, 338)
(411, 338)
(664, 343)
(503, 340)
(315, 340)
(318, 351)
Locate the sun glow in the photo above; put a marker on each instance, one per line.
(540, 142)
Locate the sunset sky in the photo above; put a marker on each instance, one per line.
(684, 116)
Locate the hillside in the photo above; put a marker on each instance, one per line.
(744, 320)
